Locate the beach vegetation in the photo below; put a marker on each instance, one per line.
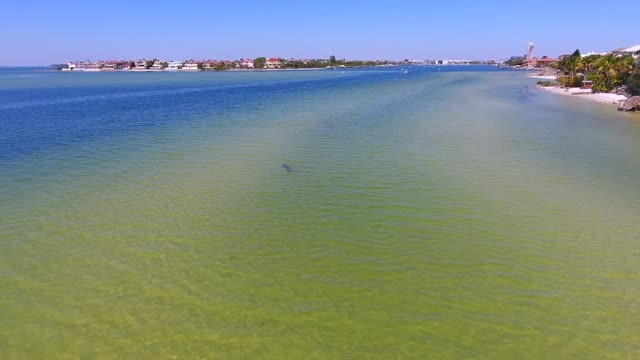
(633, 83)
(570, 81)
(588, 63)
(611, 71)
(570, 66)
(546, 83)
(607, 72)
(322, 63)
(259, 63)
(515, 61)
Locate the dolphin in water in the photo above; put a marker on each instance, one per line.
(286, 167)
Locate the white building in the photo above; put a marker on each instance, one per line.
(74, 66)
(190, 65)
(92, 66)
(592, 53)
(157, 65)
(454, 62)
(141, 64)
(174, 65)
(247, 64)
(634, 51)
(111, 65)
(273, 63)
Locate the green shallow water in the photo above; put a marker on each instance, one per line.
(434, 215)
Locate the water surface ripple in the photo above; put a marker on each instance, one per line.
(444, 213)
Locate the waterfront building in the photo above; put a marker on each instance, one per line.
(141, 64)
(190, 65)
(157, 65)
(592, 53)
(634, 51)
(544, 62)
(248, 63)
(111, 65)
(210, 64)
(92, 66)
(77, 66)
(273, 63)
(174, 65)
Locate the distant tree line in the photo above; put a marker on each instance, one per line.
(320, 63)
(515, 61)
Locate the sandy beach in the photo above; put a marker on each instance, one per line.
(545, 77)
(587, 94)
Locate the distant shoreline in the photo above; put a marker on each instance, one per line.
(258, 70)
(193, 71)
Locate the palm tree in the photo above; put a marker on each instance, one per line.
(615, 70)
(588, 63)
(606, 67)
(575, 63)
(570, 67)
(624, 66)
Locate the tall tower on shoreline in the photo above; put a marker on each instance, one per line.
(532, 47)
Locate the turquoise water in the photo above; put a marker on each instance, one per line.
(452, 213)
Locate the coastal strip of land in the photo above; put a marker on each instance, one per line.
(547, 83)
(586, 94)
(608, 78)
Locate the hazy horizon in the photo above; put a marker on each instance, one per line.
(43, 34)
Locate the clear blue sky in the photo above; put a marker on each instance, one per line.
(45, 32)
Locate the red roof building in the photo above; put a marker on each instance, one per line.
(544, 62)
